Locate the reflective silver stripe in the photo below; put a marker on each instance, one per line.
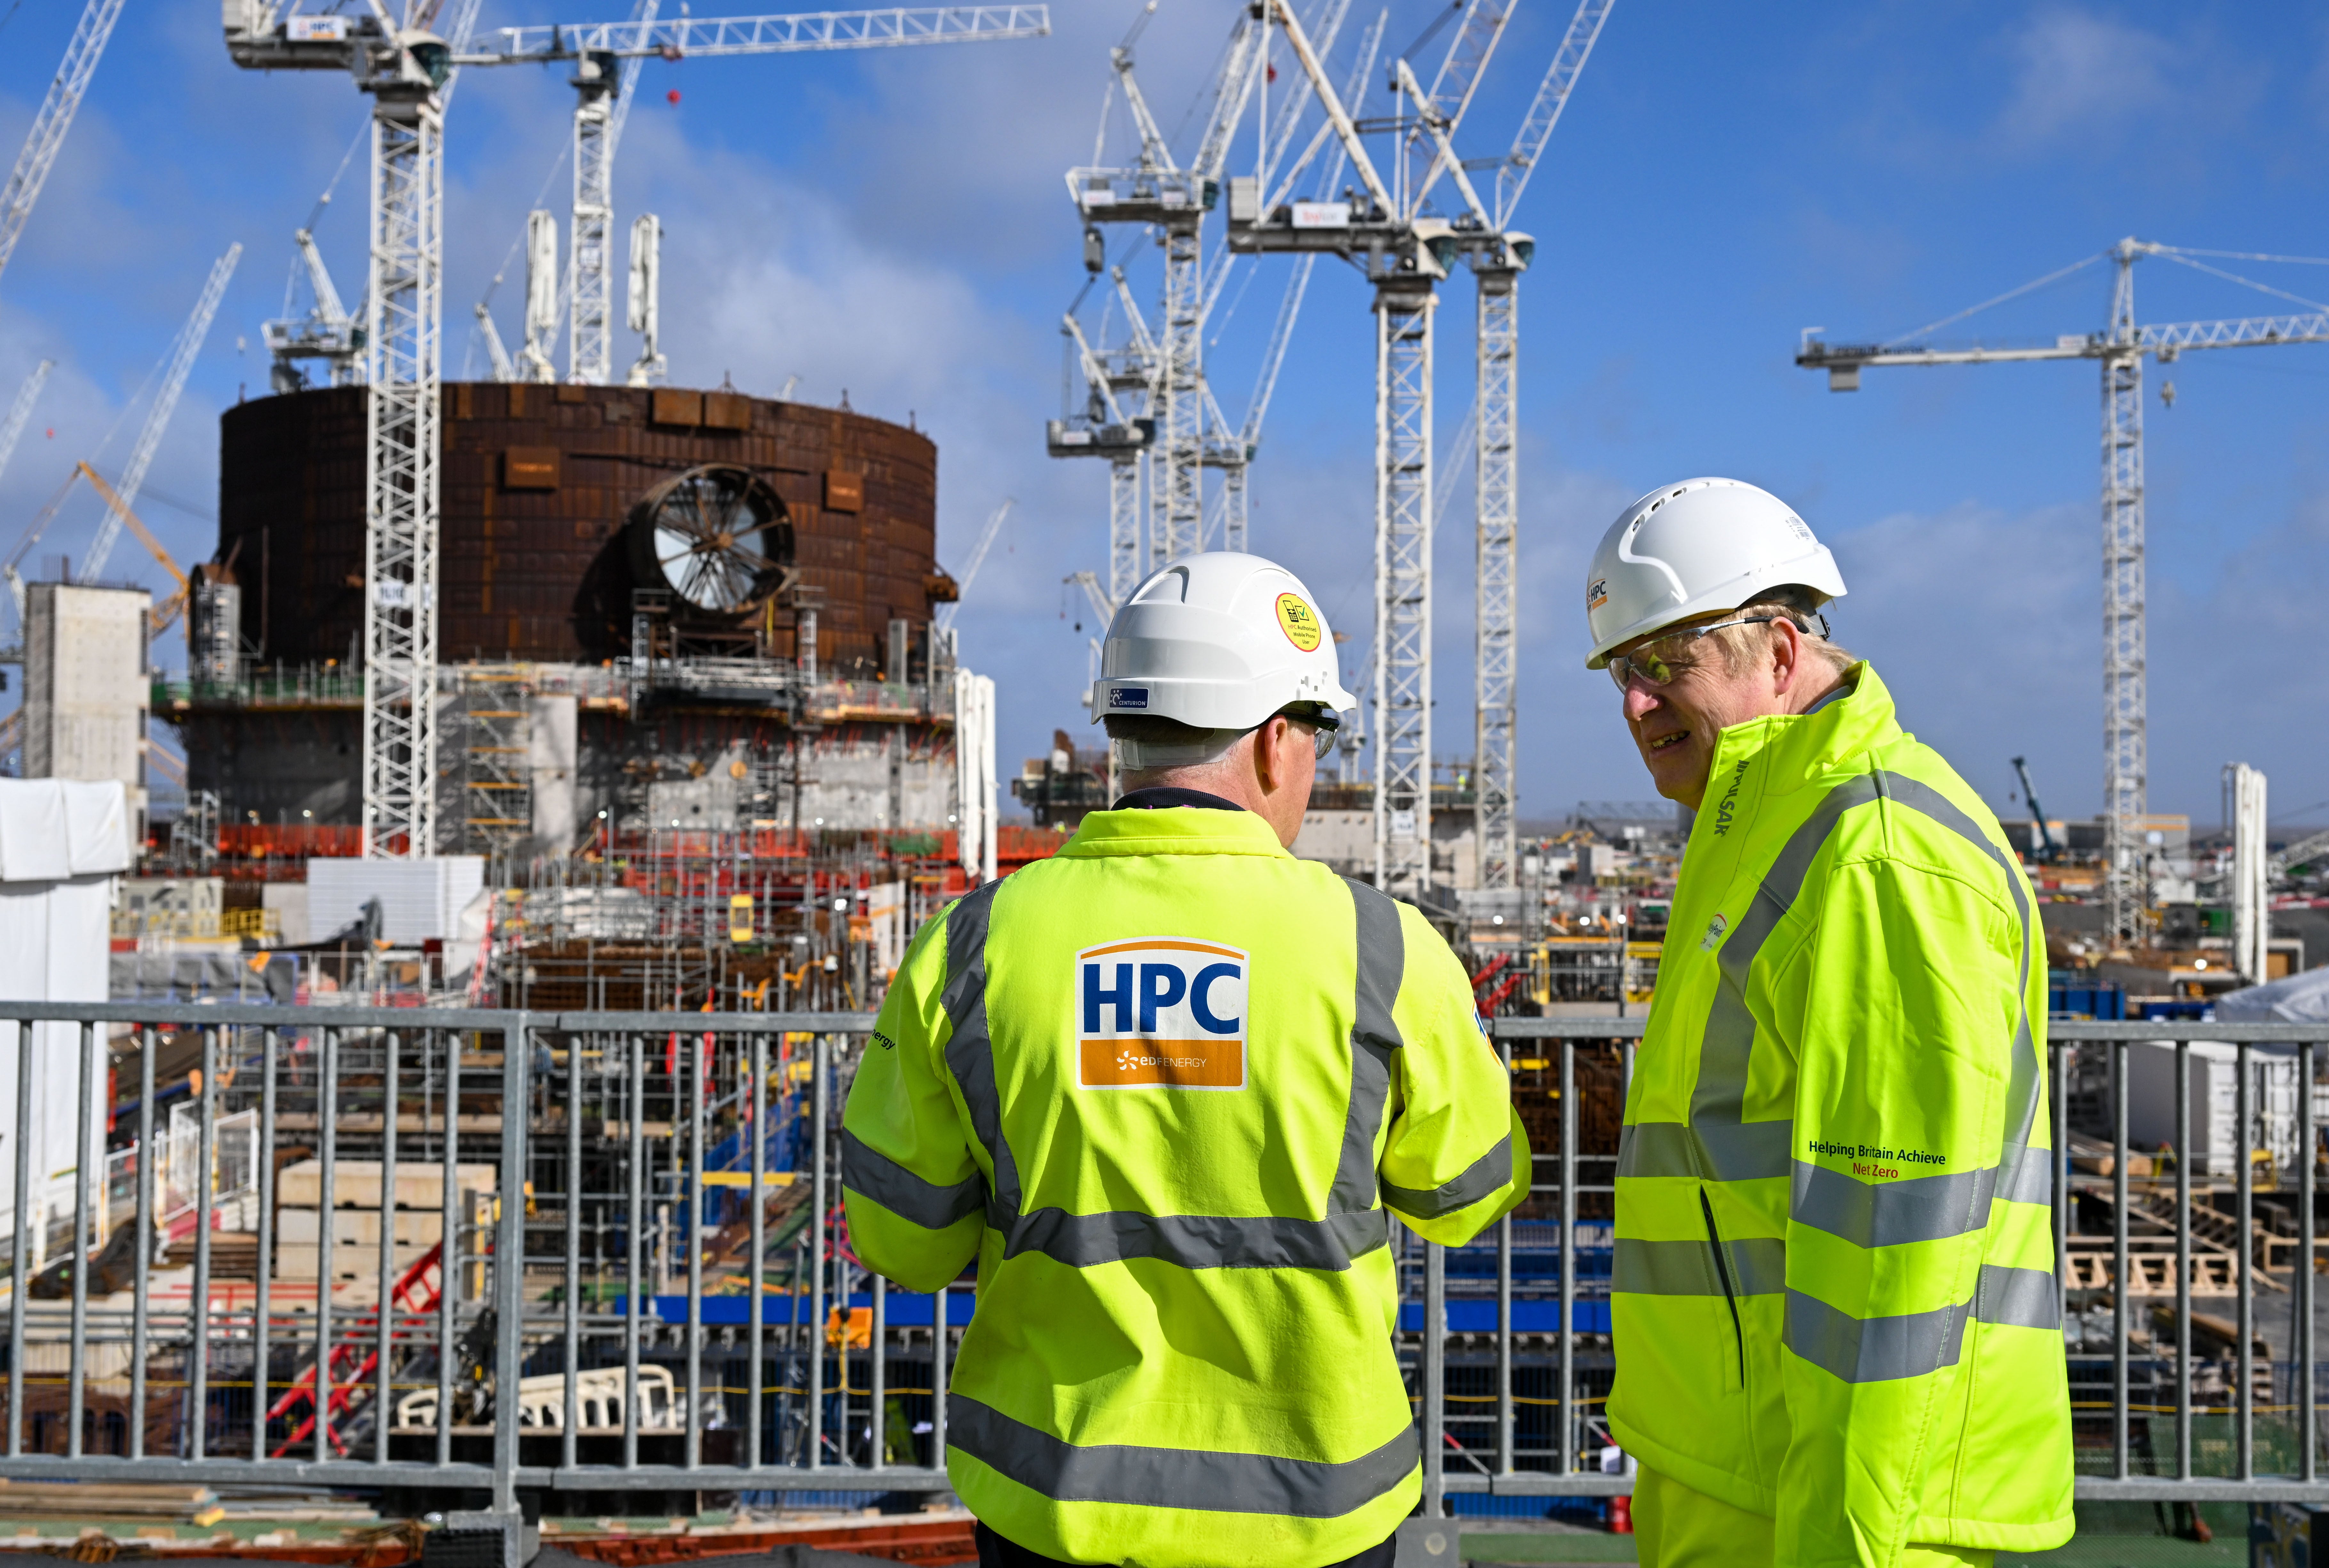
(1875, 1349)
(2022, 1084)
(1664, 1269)
(1921, 1209)
(1718, 1100)
(1197, 1479)
(2029, 1175)
(1488, 1175)
(1654, 1149)
(868, 1173)
(1758, 1265)
(2018, 1298)
(1380, 954)
(1199, 1241)
(970, 1051)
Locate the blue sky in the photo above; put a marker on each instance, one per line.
(894, 223)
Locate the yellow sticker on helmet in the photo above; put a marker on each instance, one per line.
(1299, 622)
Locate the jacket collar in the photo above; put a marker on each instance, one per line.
(1173, 831)
(1796, 749)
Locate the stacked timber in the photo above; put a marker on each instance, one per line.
(413, 1219)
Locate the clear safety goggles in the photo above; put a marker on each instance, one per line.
(1326, 726)
(1659, 661)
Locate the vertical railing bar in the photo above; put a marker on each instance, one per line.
(2065, 1058)
(1566, 1448)
(938, 1304)
(20, 1265)
(448, 1231)
(384, 1313)
(2304, 1271)
(206, 1150)
(327, 1117)
(757, 1109)
(1504, 1305)
(2184, 1260)
(263, 1303)
(568, 1441)
(142, 1220)
(2120, 1283)
(1433, 1380)
(509, 1263)
(2243, 1200)
(636, 1129)
(691, 1196)
(816, 1258)
(878, 1379)
(77, 1374)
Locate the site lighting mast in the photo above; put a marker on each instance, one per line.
(408, 70)
(2120, 348)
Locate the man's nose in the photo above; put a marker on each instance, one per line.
(1641, 700)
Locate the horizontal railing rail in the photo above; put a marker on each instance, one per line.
(603, 1252)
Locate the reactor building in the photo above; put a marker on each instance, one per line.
(660, 607)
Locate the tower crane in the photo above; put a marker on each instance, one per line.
(986, 536)
(1107, 428)
(1407, 252)
(407, 70)
(328, 331)
(20, 412)
(181, 361)
(55, 118)
(1497, 259)
(607, 58)
(2119, 349)
(1156, 191)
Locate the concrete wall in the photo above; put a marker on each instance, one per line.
(86, 691)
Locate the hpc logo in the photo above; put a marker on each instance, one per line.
(1161, 1011)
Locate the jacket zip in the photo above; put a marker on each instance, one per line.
(1722, 1272)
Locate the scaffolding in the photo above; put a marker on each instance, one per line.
(497, 775)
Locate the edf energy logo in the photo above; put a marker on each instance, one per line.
(1298, 620)
(1161, 1011)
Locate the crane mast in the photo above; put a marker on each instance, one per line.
(2120, 348)
(181, 362)
(55, 118)
(19, 411)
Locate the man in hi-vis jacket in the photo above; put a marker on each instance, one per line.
(1167, 1087)
(1836, 1321)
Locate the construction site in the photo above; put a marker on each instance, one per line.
(429, 1150)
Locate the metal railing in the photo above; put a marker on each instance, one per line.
(651, 1200)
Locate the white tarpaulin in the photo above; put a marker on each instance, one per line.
(62, 843)
(2301, 999)
(419, 900)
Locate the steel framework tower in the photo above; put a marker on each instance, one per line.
(1403, 307)
(402, 351)
(604, 92)
(1496, 568)
(2120, 348)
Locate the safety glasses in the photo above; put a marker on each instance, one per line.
(1657, 661)
(1326, 726)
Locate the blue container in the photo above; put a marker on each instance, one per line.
(2070, 994)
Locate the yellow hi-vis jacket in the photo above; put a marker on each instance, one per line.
(1835, 1300)
(1162, 1087)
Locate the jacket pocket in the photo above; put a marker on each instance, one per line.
(1735, 1366)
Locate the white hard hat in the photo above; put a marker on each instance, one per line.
(1702, 545)
(1218, 640)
